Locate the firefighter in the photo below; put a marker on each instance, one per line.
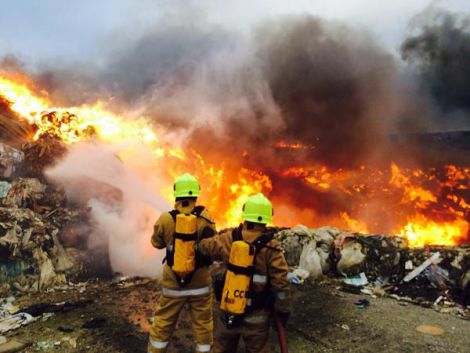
(186, 276)
(255, 280)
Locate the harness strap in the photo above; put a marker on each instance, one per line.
(247, 271)
(186, 237)
(201, 260)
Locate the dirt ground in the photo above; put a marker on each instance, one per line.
(324, 320)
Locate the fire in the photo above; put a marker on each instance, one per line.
(75, 124)
(421, 231)
(294, 146)
(424, 206)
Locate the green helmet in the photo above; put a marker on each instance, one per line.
(258, 209)
(186, 186)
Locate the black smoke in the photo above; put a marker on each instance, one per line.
(440, 53)
(332, 84)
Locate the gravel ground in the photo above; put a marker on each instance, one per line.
(324, 320)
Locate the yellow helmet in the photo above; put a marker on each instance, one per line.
(258, 209)
(186, 186)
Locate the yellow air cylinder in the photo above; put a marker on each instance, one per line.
(184, 261)
(236, 285)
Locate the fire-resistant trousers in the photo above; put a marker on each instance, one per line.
(255, 337)
(166, 316)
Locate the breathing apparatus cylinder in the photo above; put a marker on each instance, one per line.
(237, 278)
(184, 262)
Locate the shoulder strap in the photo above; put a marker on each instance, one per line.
(198, 211)
(237, 234)
(173, 214)
(262, 241)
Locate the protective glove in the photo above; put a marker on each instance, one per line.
(292, 278)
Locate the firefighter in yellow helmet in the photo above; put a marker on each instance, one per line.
(255, 281)
(186, 276)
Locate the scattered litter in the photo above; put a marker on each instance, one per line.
(409, 265)
(15, 321)
(420, 268)
(357, 280)
(44, 345)
(361, 303)
(368, 291)
(430, 330)
(438, 300)
(345, 327)
(378, 291)
(47, 316)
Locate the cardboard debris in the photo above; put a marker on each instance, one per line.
(34, 221)
(10, 158)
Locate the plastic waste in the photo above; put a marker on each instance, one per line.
(310, 260)
(433, 259)
(351, 257)
(15, 321)
(357, 280)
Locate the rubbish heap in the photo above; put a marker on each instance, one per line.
(35, 221)
(43, 242)
(379, 265)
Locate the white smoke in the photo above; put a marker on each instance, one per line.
(123, 206)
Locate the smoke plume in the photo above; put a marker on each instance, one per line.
(440, 52)
(237, 98)
(123, 206)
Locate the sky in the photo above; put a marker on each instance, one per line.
(38, 31)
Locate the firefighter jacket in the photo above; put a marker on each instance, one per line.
(270, 266)
(163, 235)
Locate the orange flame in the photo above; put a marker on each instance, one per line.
(407, 202)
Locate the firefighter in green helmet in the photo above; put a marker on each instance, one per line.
(186, 276)
(255, 281)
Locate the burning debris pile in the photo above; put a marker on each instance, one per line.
(35, 221)
(379, 265)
